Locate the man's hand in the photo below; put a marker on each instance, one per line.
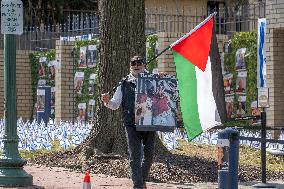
(105, 97)
(162, 74)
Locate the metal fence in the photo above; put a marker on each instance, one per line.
(43, 32)
(185, 18)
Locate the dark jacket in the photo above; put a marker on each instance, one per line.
(128, 101)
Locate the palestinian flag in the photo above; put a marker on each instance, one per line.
(193, 68)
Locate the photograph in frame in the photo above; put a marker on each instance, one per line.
(241, 106)
(228, 83)
(40, 100)
(51, 70)
(81, 111)
(91, 108)
(240, 59)
(92, 56)
(82, 63)
(156, 103)
(91, 84)
(78, 82)
(41, 69)
(241, 82)
(229, 101)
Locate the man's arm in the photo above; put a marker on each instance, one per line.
(115, 101)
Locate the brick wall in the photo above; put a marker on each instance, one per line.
(64, 84)
(275, 59)
(23, 82)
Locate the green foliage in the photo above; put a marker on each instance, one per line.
(246, 40)
(34, 65)
(151, 51)
(85, 97)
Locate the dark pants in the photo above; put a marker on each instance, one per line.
(140, 162)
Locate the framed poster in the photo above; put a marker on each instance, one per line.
(40, 100)
(91, 56)
(156, 103)
(240, 59)
(241, 82)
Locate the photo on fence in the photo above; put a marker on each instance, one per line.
(241, 82)
(81, 111)
(91, 108)
(51, 70)
(40, 100)
(156, 103)
(78, 82)
(228, 83)
(255, 111)
(52, 97)
(41, 69)
(240, 59)
(91, 84)
(241, 106)
(92, 56)
(82, 63)
(229, 100)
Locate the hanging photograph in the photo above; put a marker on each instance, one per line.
(241, 106)
(240, 59)
(92, 56)
(228, 83)
(91, 84)
(41, 70)
(51, 70)
(255, 111)
(82, 61)
(78, 82)
(156, 103)
(91, 108)
(40, 100)
(91, 88)
(229, 100)
(82, 111)
(241, 82)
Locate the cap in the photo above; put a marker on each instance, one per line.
(137, 59)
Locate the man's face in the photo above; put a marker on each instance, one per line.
(136, 68)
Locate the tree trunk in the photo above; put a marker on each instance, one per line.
(122, 26)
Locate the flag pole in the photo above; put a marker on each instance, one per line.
(189, 33)
(194, 29)
(159, 54)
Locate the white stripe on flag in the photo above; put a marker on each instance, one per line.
(208, 114)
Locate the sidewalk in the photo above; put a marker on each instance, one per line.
(60, 178)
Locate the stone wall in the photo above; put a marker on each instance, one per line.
(275, 60)
(23, 82)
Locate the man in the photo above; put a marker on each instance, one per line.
(125, 96)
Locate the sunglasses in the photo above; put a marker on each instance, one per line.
(138, 63)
